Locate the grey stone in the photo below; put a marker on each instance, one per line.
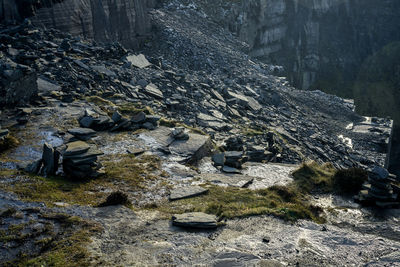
(86, 121)
(138, 61)
(3, 133)
(225, 179)
(228, 169)
(139, 118)
(45, 87)
(152, 90)
(34, 167)
(195, 220)
(116, 117)
(50, 162)
(219, 159)
(379, 173)
(187, 192)
(76, 148)
(83, 134)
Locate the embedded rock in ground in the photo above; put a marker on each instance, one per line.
(187, 192)
(83, 134)
(46, 87)
(222, 179)
(228, 169)
(234, 159)
(219, 159)
(180, 134)
(195, 220)
(192, 149)
(50, 160)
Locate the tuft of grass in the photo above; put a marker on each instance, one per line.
(133, 108)
(312, 177)
(8, 143)
(99, 101)
(252, 132)
(284, 202)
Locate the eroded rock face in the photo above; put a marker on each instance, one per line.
(315, 41)
(105, 21)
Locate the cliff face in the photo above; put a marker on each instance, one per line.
(321, 43)
(104, 20)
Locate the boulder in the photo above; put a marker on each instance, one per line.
(50, 160)
(138, 61)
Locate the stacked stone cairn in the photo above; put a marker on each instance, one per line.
(380, 190)
(80, 161)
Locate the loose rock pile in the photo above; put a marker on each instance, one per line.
(379, 189)
(80, 161)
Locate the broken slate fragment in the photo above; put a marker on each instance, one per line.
(50, 160)
(195, 220)
(138, 61)
(76, 148)
(152, 90)
(83, 134)
(187, 192)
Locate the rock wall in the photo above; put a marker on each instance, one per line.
(125, 21)
(321, 43)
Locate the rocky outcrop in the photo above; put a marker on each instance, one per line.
(320, 43)
(103, 20)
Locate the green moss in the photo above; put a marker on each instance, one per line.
(312, 177)
(99, 101)
(134, 108)
(252, 132)
(284, 202)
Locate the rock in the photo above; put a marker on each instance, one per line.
(192, 149)
(46, 88)
(152, 90)
(50, 160)
(3, 133)
(219, 159)
(195, 220)
(86, 121)
(34, 167)
(116, 117)
(103, 70)
(228, 169)
(80, 161)
(234, 159)
(180, 134)
(139, 118)
(83, 134)
(224, 179)
(187, 192)
(76, 148)
(138, 61)
(379, 173)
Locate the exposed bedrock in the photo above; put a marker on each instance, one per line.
(103, 20)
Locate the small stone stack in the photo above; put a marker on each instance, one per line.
(80, 161)
(378, 190)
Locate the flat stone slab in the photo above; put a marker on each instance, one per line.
(195, 220)
(76, 148)
(270, 174)
(138, 61)
(221, 179)
(196, 146)
(153, 91)
(187, 192)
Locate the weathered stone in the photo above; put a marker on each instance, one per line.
(219, 159)
(139, 118)
(138, 61)
(195, 220)
(34, 167)
(228, 169)
(83, 134)
(76, 148)
(152, 90)
(50, 161)
(187, 192)
(222, 179)
(379, 173)
(116, 117)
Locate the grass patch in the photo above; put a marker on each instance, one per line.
(284, 202)
(134, 108)
(122, 172)
(99, 101)
(252, 132)
(312, 177)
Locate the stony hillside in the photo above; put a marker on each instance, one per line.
(111, 156)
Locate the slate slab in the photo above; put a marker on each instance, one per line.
(187, 192)
(195, 220)
(225, 179)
